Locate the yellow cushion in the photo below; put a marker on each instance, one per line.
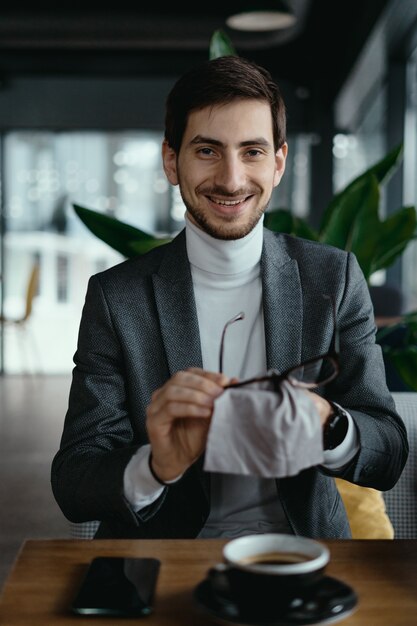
(366, 511)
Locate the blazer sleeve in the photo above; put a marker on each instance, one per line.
(105, 425)
(97, 440)
(362, 390)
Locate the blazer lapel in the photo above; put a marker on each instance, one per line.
(175, 302)
(176, 307)
(282, 298)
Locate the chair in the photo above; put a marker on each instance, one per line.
(389, 306)
(401, 500)
(83, 530)
(31, 290)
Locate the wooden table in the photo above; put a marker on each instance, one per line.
(46, 575)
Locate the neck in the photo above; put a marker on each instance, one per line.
(223, 257)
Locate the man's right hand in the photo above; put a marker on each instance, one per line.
(178, 420)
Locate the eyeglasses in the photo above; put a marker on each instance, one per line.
(311, 373)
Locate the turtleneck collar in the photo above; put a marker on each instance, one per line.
(223, 257)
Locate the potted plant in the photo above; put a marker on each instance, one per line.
(352, 221)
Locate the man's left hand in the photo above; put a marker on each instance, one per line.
(323, 406)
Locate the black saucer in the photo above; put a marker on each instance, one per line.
(326, 602)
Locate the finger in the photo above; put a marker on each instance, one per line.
(323, 407)
(194, 379)
(181, 410)
(185, 395)
(217, 377)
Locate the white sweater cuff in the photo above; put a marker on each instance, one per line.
(341, 455)
(140, 487)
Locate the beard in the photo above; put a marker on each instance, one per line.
(230, 228)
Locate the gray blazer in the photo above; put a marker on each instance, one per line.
(139, 326)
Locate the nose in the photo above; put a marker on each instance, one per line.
(230, 173)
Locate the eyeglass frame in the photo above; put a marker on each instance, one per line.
(332, 354)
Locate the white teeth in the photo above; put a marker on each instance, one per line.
(228, 202)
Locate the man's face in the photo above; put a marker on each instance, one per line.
(227, 167)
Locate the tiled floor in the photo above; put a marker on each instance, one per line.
(32, 410)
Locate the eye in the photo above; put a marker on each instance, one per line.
(254, 152)
(206, 151)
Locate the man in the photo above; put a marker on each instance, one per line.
(147, 377)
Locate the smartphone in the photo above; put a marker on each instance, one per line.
(117, 586)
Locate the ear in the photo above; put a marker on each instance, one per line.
(280, 159)
(169, 159)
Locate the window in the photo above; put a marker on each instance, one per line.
(410, 180)
(117, 173)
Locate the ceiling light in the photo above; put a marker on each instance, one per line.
(275, 16)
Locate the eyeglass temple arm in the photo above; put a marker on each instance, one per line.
(236, 318)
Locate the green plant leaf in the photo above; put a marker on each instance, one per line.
(118, 235)
(382, 170)
(361, 199)
(378, 243)
(304, 230)
(395, 233)
(279, 220)
(402, 355)
(409, 320)
(141, 247)
(405, 362)
(283, 221)
(221, 45)
(386, 167)
(366, 231)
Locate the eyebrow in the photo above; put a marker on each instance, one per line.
(257, 141)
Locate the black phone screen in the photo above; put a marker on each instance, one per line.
(118, 586)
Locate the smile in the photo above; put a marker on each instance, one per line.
(228, 202)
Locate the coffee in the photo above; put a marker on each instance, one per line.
(261, 572)
(274, 558)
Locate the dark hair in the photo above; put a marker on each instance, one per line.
(221, 81)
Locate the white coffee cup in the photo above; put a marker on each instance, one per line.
(277, 554)
(261, 572)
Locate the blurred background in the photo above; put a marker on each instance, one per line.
(82, 94)
(81, 119)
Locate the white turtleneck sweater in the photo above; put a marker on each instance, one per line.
(227, 280)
